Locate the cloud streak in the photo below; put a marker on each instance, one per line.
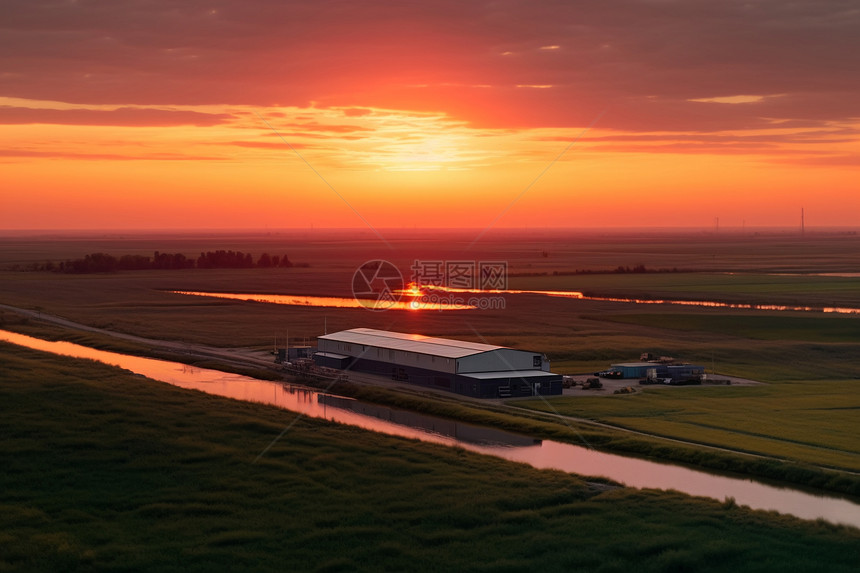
(128, 116)
(647, 60)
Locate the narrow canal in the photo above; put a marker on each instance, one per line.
(543, 454)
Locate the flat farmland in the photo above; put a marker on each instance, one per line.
(808, 359)
(742, 287)
(811, 421)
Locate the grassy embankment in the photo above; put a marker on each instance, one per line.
(104, 470)
(785, 459)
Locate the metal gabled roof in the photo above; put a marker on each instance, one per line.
(510, 374)
(444, 347)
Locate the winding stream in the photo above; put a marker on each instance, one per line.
(447, 298)
(544, 454)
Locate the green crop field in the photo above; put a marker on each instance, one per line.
(810, 421)
(800, 290)
(789, 328)
(108, 471)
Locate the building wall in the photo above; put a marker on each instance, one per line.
(634, 370)
(399, 357)
(489, 388)
(401, 373)
(295, 352)
(332, 362)
(673, 371)
(685, 371)
(501, 360)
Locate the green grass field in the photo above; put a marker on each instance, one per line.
(811, 421)
(799, 290)
(758, 327)
(108, 471)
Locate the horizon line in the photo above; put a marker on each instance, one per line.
(704, 229)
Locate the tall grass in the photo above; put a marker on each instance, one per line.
(108, 471)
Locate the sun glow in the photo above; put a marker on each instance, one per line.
(371, 155)
(412, 289)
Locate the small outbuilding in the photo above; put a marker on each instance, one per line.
(675, 373)
(632, 369)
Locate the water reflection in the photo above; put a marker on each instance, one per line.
(333, 301)
(421, 301)
(462, 432)
(540, 454)
(701, 303)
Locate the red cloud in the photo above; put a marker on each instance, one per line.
(643, 61)
(127, 116)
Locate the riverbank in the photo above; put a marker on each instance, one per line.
(109, 471)
(538, 419)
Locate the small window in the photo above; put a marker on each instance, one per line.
(536, 362)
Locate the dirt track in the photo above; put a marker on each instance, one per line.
(610, 385)
(237, 356)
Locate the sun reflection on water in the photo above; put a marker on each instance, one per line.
(415, 297)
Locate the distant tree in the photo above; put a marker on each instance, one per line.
(222, 259)
(92, 263)
(134, 263)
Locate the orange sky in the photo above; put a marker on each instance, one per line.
(253, 114)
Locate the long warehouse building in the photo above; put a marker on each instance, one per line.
(468, 368)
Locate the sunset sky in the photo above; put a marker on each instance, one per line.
(268, 114)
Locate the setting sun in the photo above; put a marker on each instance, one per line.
(383, 125)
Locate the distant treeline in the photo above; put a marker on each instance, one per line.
(620, 269)
(105, 263)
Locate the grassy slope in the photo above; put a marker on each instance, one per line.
(104, 470)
